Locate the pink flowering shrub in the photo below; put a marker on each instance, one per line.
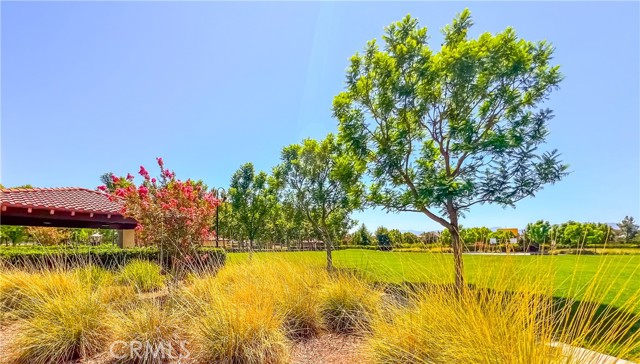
(172, 214)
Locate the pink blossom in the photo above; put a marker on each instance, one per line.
(115, 179)
(143, 172)
(102, 188)
(129, 177)
(153, 180)
(160, 162)
(143, 191)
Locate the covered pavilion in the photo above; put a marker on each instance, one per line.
(70, 207)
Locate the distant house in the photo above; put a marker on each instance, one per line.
(312, 245)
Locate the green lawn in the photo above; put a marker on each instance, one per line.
(617, 276)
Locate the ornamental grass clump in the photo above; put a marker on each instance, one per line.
(291, 289)
(235, 329)
(117, 297)
(480, 327)
(94, 276)
(145, 276)
(21, 292)
(146, 334)
(61, 328)
(508, 317)
(14, 288)
(296, 289)
(349, 304)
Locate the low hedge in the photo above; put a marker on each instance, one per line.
(364, 247)
(107, 256)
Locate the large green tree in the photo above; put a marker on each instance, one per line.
(362, 236)
(628, 228)
(537, 232)
(410, 238)
(251, 200)
(443, 130)
(325, 184)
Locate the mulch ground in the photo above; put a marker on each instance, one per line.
(329, 349)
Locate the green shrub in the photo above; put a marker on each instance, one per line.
(106, 256)
(363, 247)
(144, 276)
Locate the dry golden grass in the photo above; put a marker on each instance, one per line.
(230, 331)
(145, 276)
(250, 312)
(349, 304)
(62, 327)
(151, 326)
(517, 320)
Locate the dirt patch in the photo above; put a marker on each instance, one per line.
(7, 332)
(329, 349)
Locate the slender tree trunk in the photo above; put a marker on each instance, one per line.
(456, 244)
(329, 247)
(250, 249)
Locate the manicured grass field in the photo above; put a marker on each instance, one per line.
(615, 279)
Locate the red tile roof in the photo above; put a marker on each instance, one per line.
(66, 198)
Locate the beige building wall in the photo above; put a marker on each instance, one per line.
(127, 238)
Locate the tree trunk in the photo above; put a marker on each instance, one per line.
(329, 247)
(456, 244)
(250, 249)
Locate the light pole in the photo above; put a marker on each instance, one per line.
(223, 192)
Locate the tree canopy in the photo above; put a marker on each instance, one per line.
(629, 228)
(251, 199)
(444, 130)
(325, 185)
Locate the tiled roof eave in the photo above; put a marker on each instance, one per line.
(39, 207)
(60, 199)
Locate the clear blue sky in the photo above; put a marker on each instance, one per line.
(91, 87)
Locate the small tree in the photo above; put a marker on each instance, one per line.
(574, 234)
(325, 184)
(629, 228)
(410, 238)
(445, 130)
(396, 237)
(251, 199)
(537, 232)
(14, 234)
(384, 241)
(362, 236)
(48, 235)
(174, 215)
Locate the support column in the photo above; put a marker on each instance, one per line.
(126, 238)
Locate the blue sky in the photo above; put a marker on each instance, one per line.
(91, 87)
